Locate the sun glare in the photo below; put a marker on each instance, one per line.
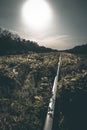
(36, 14)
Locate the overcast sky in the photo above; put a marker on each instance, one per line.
(68, 27)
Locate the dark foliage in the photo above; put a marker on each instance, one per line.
(79, 49)
(13, 44)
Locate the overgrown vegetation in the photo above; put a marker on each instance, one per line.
(71, 105)
(25, 89)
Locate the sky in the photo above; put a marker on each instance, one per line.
(67, 28)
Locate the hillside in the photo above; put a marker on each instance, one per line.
(11, 43)
(27, 72)
(78, 49)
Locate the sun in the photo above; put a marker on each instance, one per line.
(36, 14)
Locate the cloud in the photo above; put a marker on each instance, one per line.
(58, 42)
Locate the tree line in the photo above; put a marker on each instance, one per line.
(11, 43)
